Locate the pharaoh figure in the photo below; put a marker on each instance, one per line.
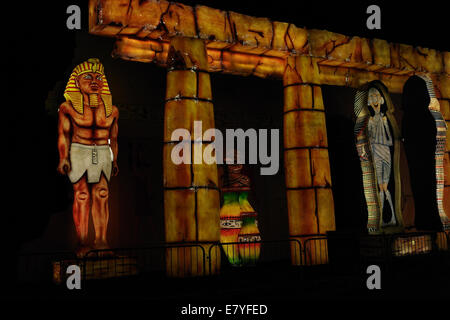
(238, 219)
(87, 145)
(441, 137)
(380, 139)
(425, 132)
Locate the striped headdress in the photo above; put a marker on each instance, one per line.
(429, 83)
(73, 93)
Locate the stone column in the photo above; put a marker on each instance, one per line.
(307, 169)
(191, 193)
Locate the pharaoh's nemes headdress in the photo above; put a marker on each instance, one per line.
(73, 93)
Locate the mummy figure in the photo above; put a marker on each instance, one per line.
(381, 141)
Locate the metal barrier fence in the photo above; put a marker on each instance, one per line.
(315, 250)
(390, 250)
(411, 244)
(255, 253)
(414, 243)
(174, 259)
(443, 241)
(159, 260)
(200, 259)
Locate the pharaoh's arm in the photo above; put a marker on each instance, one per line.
(387, 130)
(64, 126)
(370, 128)
(361, 145)
(361, 137)
(114, 131)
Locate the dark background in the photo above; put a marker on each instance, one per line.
(41, 52)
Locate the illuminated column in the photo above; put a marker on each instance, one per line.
(307, 169)
(191, 194)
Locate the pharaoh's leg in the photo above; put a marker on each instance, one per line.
(81, 208)
(381, 195)
(389, 199)
(100, 212)
(379, 172)
(386, 175)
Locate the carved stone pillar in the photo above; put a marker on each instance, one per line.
(191, 193)
(307, 169)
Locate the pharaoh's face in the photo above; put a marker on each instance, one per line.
(375, 99)
(234, 166)
(90, 82)
(434, 104)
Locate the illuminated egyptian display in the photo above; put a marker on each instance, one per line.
(379, 152)
(229, 158)
(238, 219)
(192, 42)
(87, 143)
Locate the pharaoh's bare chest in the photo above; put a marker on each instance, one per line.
(93, 118)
